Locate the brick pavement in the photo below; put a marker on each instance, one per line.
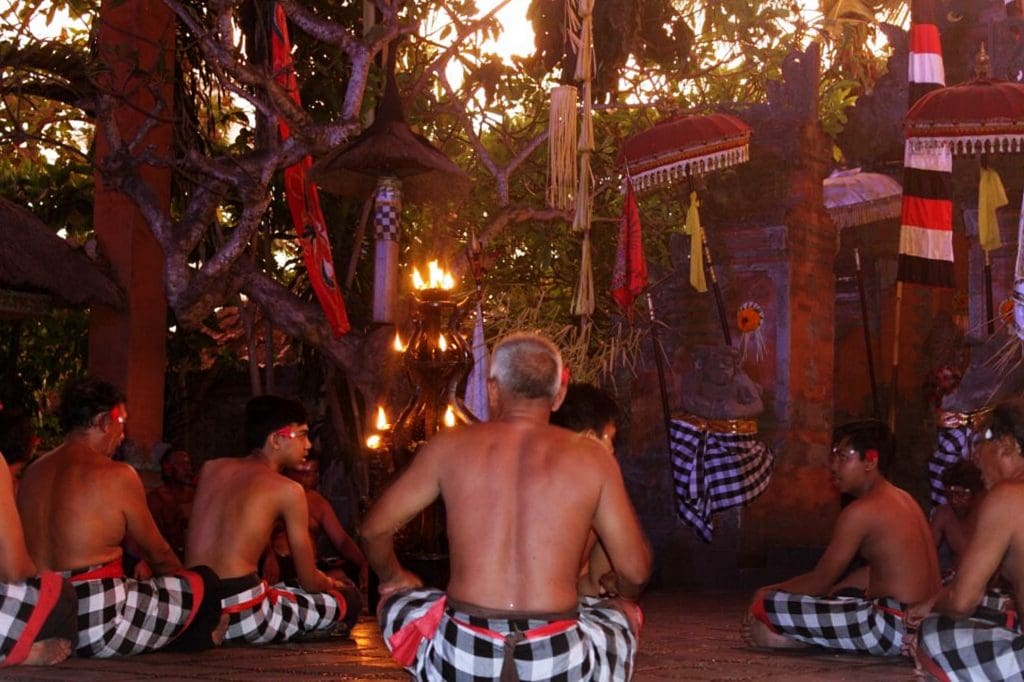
(688, 636)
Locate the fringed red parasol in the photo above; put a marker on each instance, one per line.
(688, 145)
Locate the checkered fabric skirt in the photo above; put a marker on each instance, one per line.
(119, 616)
(455, 645)
(951, 446)
(987, 646)
(260, 614)
(24, 608)
(715, 471)
(872, 626)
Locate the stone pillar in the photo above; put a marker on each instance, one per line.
(800, 505)
(128, 348)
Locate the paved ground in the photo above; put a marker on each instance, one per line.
(688, 636)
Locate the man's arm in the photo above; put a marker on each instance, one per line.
(847, 536)
(411, 492)
(997, 515)
(295, 512)
(321, 509)
(141, 528)
(619, 532)
(938, 524)
(15, 563)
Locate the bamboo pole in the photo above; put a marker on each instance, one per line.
(894, 390)
(867, 336)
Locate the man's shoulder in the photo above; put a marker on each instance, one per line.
(1008, 495)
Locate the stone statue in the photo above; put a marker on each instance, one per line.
(990, 377)
(718, 388)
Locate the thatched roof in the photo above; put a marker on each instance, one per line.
(34, 260)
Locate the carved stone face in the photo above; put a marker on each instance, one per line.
(717, 363)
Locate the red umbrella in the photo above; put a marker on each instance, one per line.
(673, 149)
(982, 116)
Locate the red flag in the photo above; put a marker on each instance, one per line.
(629, 278)
(303, 199)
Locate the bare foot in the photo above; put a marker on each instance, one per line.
(757, 634)
(48, 652)
(220, 632)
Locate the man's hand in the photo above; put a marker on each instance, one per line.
(916, 613)
(402, 580)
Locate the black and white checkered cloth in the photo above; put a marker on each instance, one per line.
(987, 646)
(715, 471)
(24, 608)
(873, 626)
(119, 616)
(260, 614)
(951, 446)
(447, 644)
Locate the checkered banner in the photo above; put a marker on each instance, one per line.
(714, 471)
(387, 211)
(951, 446)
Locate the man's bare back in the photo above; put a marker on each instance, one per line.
(78, 506)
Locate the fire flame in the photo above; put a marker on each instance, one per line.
(437, 278)
(449, 416)
(373, 442)
(398, 345)
(382, 419)
(442, 342)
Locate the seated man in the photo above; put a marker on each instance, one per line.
(521, 497)
(322, 519)
(238, 500)
(590, 412)
(964, 638)
(78, 507)
(887, 528)
(171, 502)
(952, 523)
(38, 615)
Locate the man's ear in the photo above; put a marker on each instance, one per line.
(559, 397)
(492, 393)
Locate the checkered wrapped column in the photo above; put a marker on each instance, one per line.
(387, 222)
(715, 471)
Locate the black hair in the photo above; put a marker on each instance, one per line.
(1008, 420)
(16, 435)
(963, 474)
(586, 407)
(84, 398)
(164, 458)
(864, 435)
(268, 413)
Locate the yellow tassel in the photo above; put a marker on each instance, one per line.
(562, 147)
(583, 301)
(694, 229)
(991, 195)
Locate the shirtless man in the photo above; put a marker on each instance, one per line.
(887, 529)
(78, 507)
(952, 523)
(521, 497)
(962, 639)
(322, 519)
(171, 502)
(238, 500)
(38, 615)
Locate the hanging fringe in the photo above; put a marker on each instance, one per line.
(583, 301)
(562, 147)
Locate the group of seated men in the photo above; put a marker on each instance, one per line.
(532, 593)
(77, 508)
(896, 603)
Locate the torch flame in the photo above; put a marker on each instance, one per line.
(373, 442)
(449, 416)
(437, 278)
(399, 346)
(382, 419)
(442, 342)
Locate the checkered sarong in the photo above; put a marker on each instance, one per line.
(119, 616)
(435, 642)
(715, 471)
(260, 614)
(24, 608)
(987, 646)
(873, 626)
(951, 446)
